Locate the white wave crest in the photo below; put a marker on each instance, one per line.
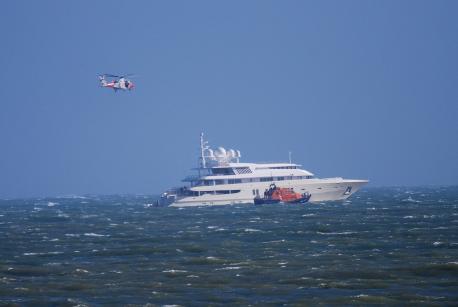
(91, 234)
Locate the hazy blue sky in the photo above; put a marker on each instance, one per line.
(359, 89)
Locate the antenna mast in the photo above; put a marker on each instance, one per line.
(289, 157)
(202, 148)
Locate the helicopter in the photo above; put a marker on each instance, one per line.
(118, 83)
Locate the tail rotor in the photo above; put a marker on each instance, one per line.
(102, 80)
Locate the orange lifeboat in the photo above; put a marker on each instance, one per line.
(287, 195)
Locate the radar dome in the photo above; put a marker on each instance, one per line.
(209, 152)
(220, 152)
(231, 153)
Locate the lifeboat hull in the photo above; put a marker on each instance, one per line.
(267, 200)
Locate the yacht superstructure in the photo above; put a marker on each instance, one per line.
(223, 180)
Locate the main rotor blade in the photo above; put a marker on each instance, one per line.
(129, 75)
(118, 76)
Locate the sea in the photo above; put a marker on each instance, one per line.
(388, 246)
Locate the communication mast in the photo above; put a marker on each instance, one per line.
(202, 150)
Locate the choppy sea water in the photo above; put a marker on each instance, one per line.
(384, 245)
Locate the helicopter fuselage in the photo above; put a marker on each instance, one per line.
(117, 84)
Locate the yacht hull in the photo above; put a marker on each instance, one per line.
(331, 189)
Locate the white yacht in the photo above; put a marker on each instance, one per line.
(223, 180)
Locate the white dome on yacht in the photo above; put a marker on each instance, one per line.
(220, 152)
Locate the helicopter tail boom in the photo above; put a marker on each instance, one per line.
(102, 80)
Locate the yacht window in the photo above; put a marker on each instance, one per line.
(232, 181)
(204, 172)
(227, 191)
(219, 181)
(264, 179)
(280, 178)
(208, 182)
(222, 171)
(199, 182)
(282, 167)
(243, 170)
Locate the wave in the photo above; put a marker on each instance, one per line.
(229, 268)
(91, 234)
(336, 233)
(410, 200)
(174, 271)
(252, 230)
(42, 254)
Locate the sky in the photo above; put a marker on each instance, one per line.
(358, 89)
